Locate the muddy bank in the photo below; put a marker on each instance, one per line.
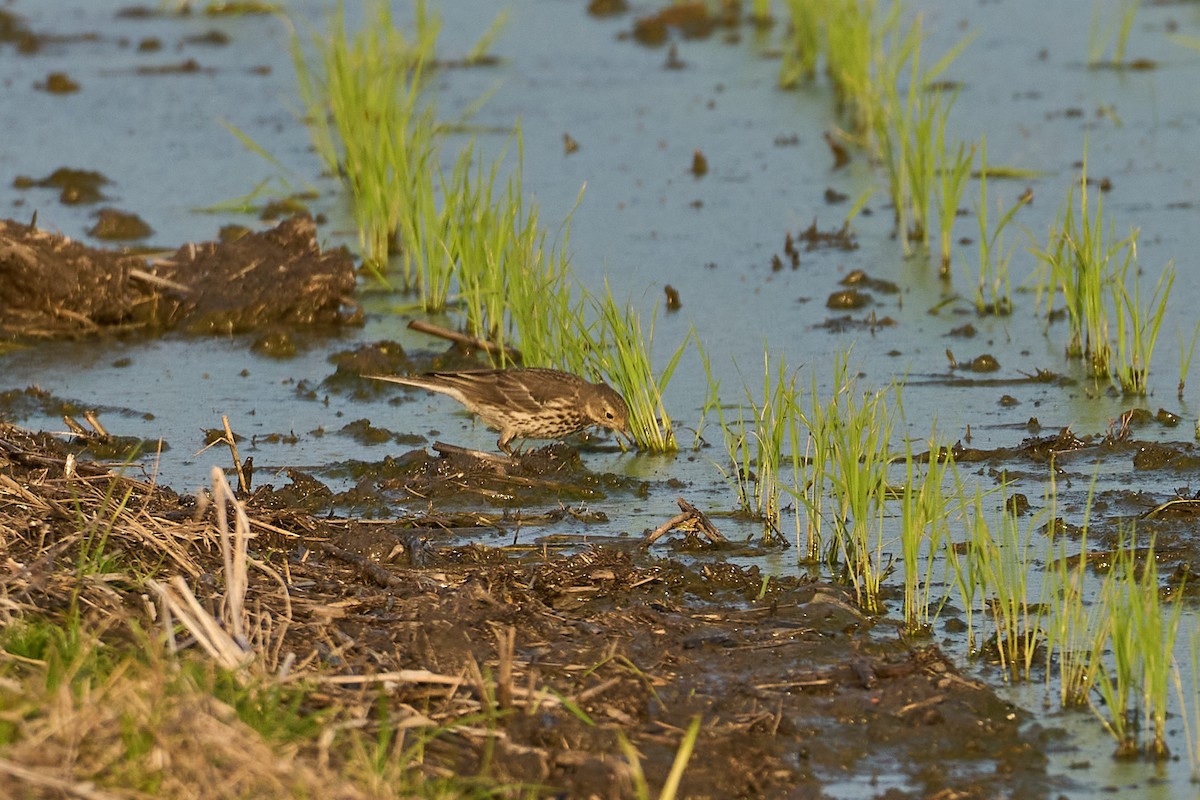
(560, 651)
(53, 287)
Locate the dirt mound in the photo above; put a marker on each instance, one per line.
(53, 287)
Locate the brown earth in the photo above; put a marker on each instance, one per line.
(528, 664)
(53, 287)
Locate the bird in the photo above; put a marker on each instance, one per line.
(528, 402)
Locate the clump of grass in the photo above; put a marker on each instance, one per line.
(1093, 270)
(854, 36)
(1116, 678)
(621, 352)
(1138, 325)
(964, 573)
(518, 288)
(806, 36)
(1155, 626)
(993, 293)
(849, 441)
(372, 123)
(952, 169)
(1003, 567)
(96, 527)
(1140, 636)
(755, 446)
(910, 131)
(868, 55)
(457, 231)
(1081, 260)
(924, 529)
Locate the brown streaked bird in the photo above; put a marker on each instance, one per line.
(529, 403)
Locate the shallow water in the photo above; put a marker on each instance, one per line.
(644, 222)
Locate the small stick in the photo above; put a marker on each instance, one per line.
(463, 339)
(75, 427)
(368, 567)
(155, 280)
(447, 450)
(243, 487)
(505, 644)
(692, 519)
(90, 416)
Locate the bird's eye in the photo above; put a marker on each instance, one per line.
(609, 415)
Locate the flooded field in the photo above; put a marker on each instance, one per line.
(682, 167)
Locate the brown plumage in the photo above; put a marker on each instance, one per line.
(527, 403)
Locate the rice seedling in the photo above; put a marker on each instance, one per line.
(1115, 679)
(1003, 567)
(867, 55)
(734, 435)
(952, 169)
(806, 36)
(1123, 670)
(924, 530)
(963, 571)
(621, 352)
(433, 233)
(755, 446)
(811, 474)
(1072, 624)
(1138, 325)
(372, 124)
(854, 44)
(1189, 703)
(897, 128)
(1154, 628)
(1101, 32)
(992, 291)
(856, 436)
(1081, 261)
(806, 491)
(1185, 356)
(909, 131)
(1141, 638)
(518, 290)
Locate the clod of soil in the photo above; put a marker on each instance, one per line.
(58, 83)
(79, 186)
(51, 286)
(847, 299)
(113, 225)
(840, 239)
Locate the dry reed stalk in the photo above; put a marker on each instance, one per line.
(43, 779)
(243, 484)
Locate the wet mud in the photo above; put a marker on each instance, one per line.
(797, 688)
